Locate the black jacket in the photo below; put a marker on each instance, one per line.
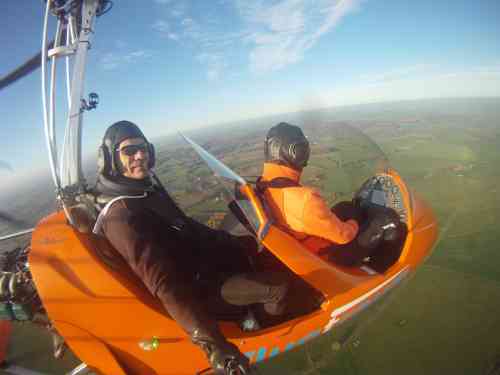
(170, 253)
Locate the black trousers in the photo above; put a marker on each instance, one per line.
(230, 284)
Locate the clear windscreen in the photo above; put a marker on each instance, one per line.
(231, 188)
(205, 177)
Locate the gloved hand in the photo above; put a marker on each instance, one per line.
(382, 223)
(224, 357)
(370, 236)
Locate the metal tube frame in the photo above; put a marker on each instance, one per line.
(18, 234)
(73, 177)
(53, 66)
(52, 162)
(68, 178)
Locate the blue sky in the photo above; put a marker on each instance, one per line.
(176, 64)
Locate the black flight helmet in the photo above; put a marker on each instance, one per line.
(286, 144)
(107, 161)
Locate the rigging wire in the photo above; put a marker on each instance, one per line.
(53, 66)
(23, 70)
(53, 168)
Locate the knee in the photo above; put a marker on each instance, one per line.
(277, 293)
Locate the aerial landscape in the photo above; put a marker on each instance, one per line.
(406, 90)
(449, 156)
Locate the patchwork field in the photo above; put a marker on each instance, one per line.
(446, 319)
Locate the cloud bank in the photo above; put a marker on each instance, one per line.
(272, 34)
(282, 33)
(114, 60)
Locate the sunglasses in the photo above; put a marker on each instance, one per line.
(133, 149)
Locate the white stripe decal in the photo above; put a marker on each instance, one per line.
(426, 227)
(368, 270)
(340, 310)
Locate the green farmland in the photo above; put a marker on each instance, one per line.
(446, 319)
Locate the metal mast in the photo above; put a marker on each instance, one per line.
(75, 28)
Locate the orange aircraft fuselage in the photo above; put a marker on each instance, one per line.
(112, 323)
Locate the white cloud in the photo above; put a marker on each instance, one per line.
(399, 73)
(187, 22)
(112, 60)
(120, 43)
(185, 27)
(161, 26)
(215, 63)
(283, 32)
(164, 29)
(274, 34)
(178, 9)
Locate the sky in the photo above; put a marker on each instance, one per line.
(172, 65)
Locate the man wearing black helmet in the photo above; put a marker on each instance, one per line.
(195, 271)
(302, 211)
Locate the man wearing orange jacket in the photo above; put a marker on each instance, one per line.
(301, 210)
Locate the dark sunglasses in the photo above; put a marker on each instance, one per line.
(133, 149)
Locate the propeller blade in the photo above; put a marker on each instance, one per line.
(23, 70)
(12, 220)
(18, 234)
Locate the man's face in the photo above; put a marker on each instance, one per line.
(134, 158)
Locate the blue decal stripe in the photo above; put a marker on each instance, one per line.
(261, 354)
(314, 334)
(308, 337)
(249, 355)
(274, 352)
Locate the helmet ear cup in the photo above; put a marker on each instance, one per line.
(152, 156)
(298, 154)
(103, 160)
(286, 144)
(273, 148)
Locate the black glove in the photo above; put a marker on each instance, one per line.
(382, 223)
(224, 357)
(370, 236)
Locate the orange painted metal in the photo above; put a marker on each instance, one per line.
(105, 314)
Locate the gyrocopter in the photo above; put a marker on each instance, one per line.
(106, 316)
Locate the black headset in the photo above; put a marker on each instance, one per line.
(106, 161)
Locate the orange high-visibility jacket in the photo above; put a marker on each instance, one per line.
(303, 212)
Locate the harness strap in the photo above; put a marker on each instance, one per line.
(104, 211)
(275, 183)
(279, 183)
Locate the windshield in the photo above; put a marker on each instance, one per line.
(342, 159)
(232, 188)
